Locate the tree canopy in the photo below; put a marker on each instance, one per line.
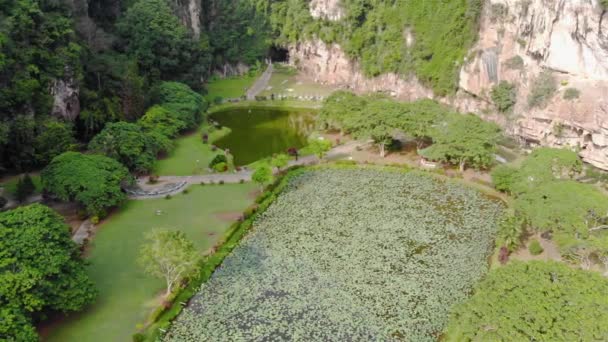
(534, 301)
(128, 144)
(91, 180)
(40, 270)
(464, 140)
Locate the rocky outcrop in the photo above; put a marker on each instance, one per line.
(520, 39)
(189, 12)
(326, 9)
(328, 64)
(66, 103)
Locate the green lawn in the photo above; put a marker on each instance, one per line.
(190, 156)
(10, 184)
(284, 81)
(126, 294)
(227, 88)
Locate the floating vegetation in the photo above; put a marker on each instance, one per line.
(349, 255)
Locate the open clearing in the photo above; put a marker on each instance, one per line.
(126, 294)
(349, 254)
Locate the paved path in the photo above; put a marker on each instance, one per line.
(237, 177)
(260, 84)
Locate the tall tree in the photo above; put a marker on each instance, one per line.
(169, 255)
(464, 140)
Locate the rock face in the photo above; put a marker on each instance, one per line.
(328, 64)
(189, 12)
(66, 103)
(517, 41)
(326, 9)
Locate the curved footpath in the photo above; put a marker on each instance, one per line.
(260, 84)
(234, 177)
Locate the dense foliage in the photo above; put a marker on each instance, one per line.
(428, 38)
(128, 144)
(548, 199)
(504, 96)
(92, 180)
(463, 140)
(348, 255)
(40, 271)
(534, 301)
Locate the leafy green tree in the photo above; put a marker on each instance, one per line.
(503, 177)
(262, 175)
(55, 138)
(128, 144)
(419, 118)
(184, 104)
(534, 301)
(40, 270)
(92, 180)
(464, 140)
(155, 37)
(378, 122)
(161, 120)
(318, 146)
(279, 161)
(25, 188)
(339, 107)
(169, 255)
(504, 96)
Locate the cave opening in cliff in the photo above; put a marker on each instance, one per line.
(279, 54)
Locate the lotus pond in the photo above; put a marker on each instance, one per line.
(349, 255)
(258, 133)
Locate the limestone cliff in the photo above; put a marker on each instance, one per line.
(518, 40)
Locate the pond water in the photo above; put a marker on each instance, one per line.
(258, 133)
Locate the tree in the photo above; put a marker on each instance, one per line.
(155, 37)
(318, 146)
(534, 301)
(464, 140)
(161, 120)
(40, 270)
(25, 188)
(169, 255)
(504, 96)
(504, 177)
(279, 161)
(128, 144)
(94, 181)
(55, 138)
(262, 175)
(182, 102)
(378, 121)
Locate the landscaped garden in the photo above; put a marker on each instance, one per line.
(349, 254)
(126, 295)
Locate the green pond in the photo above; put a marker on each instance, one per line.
(258, 133)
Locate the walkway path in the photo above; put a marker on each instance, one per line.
(182, 182)
(260, 84)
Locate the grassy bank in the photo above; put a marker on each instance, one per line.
(126, 295)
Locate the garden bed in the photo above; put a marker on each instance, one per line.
(349, 254)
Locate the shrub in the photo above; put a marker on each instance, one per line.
(503, 255)
(220, 158)
(138, 337)
(221, 182)
(242, 181)
(504, 96)
(571, 94)
(185, 191)
(95, 219)
(535, 248)
(3, 202)
(25, 188)
(542, 90)
(504, 177)
(202, 183)
(515, 63)
(220, 167)
(218, 100)
(167, 197)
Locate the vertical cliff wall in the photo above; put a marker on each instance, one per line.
(518, 40)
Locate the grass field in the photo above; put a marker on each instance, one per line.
(190, 156)
(10, 184)
(284, 81)
(126, 294)
(229, 88)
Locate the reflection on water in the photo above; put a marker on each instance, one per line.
(259, 133)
